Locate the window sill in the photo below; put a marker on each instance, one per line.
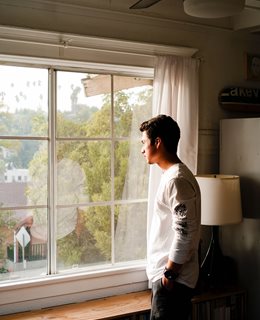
(63, 289)
(110, 308)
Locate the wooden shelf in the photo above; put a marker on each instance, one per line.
(220, 303)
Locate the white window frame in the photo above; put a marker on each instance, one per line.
(22, 47)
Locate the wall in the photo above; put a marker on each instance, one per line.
(240, 154)
(222, 53)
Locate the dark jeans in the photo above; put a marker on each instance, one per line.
(171, 305)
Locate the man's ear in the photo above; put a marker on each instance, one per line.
(158, 142)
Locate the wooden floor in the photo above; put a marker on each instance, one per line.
(108, 308)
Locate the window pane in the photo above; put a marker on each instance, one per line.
(23, 101)
(84, 171)
(84, 105)
(130, 232)
(131, 171)
(132, 102)
(86, 239)
(71, 179)
(23, 243)
(23, 173)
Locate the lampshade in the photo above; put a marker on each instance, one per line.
(213, 8)
(220, 199)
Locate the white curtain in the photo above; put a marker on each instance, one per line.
(175, 93)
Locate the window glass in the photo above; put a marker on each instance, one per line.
(132, 103)
(23, 101)
(130, 242)
(131, 171)
(88, 179)
(23, 187)
(83, 171)
(83, 105)
(84, 237)
(23, 243)
(23, 172)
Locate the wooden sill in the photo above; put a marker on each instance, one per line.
(107, 308)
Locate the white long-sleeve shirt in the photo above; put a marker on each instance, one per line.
(175, 229)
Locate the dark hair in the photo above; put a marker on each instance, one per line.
(164, 127)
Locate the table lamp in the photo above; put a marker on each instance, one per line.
(220, 205)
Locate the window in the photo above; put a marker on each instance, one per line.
(40, 140)
(74, 138)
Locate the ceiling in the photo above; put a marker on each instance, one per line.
(166, 10)
(248, 19)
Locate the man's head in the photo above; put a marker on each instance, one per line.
(165, 128)
(160, 137)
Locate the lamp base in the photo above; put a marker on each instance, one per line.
(216, 269)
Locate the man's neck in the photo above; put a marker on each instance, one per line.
(167, 162)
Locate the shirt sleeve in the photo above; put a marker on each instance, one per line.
(182, 204)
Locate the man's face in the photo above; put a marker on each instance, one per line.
(148, 150)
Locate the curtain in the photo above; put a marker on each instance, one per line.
(175, 93)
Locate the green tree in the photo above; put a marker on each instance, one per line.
(40, 124)
(22, 123)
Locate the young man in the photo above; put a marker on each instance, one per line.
(173, 266)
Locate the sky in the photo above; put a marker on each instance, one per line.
(22, 87)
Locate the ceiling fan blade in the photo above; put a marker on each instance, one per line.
(143, 4)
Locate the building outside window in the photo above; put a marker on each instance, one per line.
(77, 199)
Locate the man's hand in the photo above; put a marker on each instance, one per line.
(167, 284)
